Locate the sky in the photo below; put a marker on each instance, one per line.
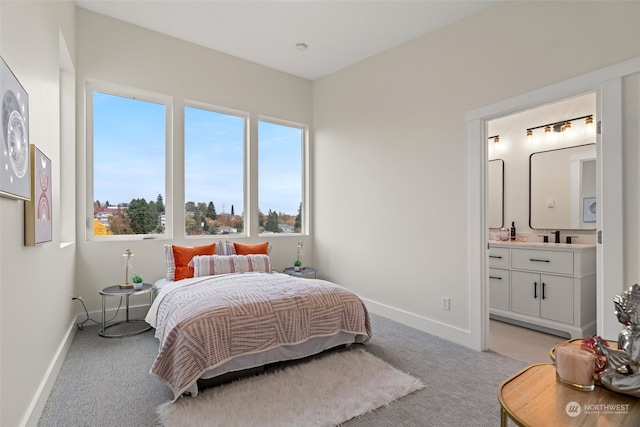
(129, 156)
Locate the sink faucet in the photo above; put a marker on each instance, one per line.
(557, 236)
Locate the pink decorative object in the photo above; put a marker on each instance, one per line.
(575, 367)
(600, 360)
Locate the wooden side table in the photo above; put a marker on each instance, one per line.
(533, 397)
(117, 291)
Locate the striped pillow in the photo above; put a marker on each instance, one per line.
(210, 265)
(171, 261)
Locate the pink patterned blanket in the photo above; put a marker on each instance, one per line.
(206, 323)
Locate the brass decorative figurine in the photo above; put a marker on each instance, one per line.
(622, 372)
(127, 261)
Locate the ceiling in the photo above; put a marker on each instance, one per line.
(337, 33)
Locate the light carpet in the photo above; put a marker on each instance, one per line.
(325, 391)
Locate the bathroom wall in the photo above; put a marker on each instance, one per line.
(515, 150)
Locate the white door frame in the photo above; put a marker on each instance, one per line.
(607, 82)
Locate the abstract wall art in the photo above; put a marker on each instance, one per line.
(37, 211)
(14, 156)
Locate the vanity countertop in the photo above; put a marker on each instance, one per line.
(542, 245)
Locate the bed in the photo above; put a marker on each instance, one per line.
(236, 314)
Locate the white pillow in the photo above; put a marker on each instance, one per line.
(210, 265)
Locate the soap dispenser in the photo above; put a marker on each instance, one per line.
(513, 230)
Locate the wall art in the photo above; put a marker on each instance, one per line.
(37, 211)
(14, 156)
(589, 209)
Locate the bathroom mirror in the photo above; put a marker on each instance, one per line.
(495, 200)
(562, 188)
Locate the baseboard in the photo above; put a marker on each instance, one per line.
(36, 407)
(430, 326)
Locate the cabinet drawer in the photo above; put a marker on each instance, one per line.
(499, 257)
(499, 289)
(560, 262)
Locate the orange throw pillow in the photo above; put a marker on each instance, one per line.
(256, 249)
(183, 255)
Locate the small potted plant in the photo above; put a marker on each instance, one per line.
(137, 282)
(297, 265)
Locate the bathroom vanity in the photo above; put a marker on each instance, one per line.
(545, 286)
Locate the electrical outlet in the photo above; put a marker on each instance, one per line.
(446, 303)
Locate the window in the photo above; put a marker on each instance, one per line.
(280, 177)
(127, 142)
(214, 172)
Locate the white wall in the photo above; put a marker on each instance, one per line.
(36, 283)
(395, 124)
(514, 149)
(119, 53)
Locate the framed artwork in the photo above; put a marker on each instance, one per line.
(37, 211)
(14, 170)
(589, 209)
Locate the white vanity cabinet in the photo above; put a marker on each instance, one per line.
(550, 287)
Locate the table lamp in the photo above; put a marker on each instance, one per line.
(127, 261)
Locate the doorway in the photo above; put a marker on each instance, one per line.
(607, 83)
(554, 133)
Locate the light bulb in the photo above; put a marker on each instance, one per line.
(529, 136)
(589, 127)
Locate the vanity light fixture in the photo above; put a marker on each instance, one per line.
(494, 138)
(589, 124)
(563, 126)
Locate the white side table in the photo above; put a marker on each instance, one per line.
(117, 291)
(304, 272)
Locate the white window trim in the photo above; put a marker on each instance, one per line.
(246, 164)
(128, 92)
(305, 185)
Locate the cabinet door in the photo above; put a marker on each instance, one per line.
(525, 293)
(499, 289)
(557, 298)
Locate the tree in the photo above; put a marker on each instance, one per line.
(191, 227)
(160, 204)
(99, 229)
(298, 223)
(272, 222)
(144, 219)
(120, 224)
(232, 211)
(211, 211)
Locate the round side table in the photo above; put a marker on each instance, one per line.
(117, 291)
(304, 272)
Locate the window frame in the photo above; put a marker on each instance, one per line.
(304, 174)
(245, 165)
(92, 86)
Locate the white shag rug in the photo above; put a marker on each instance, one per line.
(324, 391)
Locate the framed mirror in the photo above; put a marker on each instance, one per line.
(562, 188)
(495, 189)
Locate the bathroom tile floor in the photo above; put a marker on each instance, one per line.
(521, 343)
